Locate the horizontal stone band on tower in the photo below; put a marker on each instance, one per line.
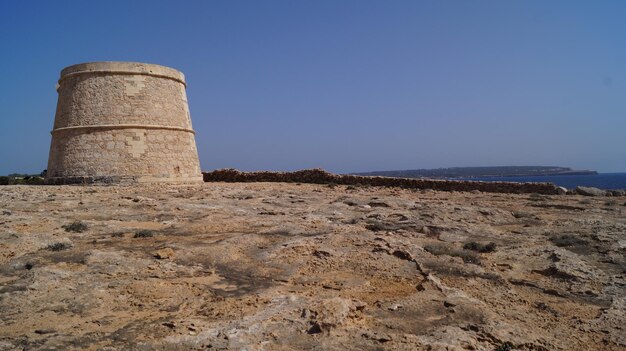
(124, 68)
(67, 75)
(122, 122)
(124, 126)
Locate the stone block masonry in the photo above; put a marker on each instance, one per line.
(122, 122)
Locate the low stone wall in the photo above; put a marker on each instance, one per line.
(319, 176)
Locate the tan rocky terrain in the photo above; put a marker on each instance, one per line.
(277, 266)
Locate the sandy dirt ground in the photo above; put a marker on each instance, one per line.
(276, 266)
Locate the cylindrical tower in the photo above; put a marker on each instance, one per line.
(122, 122)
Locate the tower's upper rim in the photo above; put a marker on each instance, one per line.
(125, 68)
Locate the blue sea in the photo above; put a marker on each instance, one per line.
(601, 181)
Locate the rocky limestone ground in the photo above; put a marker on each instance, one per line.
(276, 266)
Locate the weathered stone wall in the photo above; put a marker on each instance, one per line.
(318, 176)
(121, 121)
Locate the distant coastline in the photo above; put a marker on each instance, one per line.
(481, 172)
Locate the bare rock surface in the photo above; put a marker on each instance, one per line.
(276, 266)
(590, 191)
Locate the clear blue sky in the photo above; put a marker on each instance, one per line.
(343, 85)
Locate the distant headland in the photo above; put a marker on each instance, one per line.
(481, 172)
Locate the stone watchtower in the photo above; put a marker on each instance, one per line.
(122, 122)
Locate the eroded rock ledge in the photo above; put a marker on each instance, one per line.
(288, 266)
